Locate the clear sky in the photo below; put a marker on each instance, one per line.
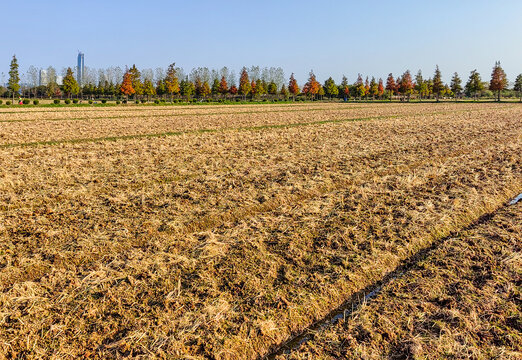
(331, 37)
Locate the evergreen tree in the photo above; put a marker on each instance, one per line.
(419, 82)
(272, 88)
(215, 87)
(367, 88)
(70, 85)
(456, 85)
(330, 88)
(161, 88)
(518, 86)
(148, 88)
(13, 83)
(344, 88)
(374, 88)
(438, 86)
(284, 92)
(187, 88)
(474, 85)
(499, 79)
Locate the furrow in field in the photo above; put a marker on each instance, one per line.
(458, 300)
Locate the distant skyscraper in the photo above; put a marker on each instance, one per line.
(43, 78)
(80, 68)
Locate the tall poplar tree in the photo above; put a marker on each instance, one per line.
(14, 77)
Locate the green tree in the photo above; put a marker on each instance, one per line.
(474, 85)
(330, 88)
(284, 92)
(187, 88)
(360, 89)
(499, 79)
(13, 83)
(374, 88)
(272, 88)
(148, 88)
(438, 86)
(161, 87)
(135, 76)
(70, 85)
(419, 81)
(518, 86)
(344, 89)
(215, 87)
(456, 85)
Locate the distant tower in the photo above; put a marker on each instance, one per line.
(43, 80)
(80, 69)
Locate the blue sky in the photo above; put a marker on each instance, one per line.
(331, 37)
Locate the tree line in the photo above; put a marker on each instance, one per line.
(253, 83)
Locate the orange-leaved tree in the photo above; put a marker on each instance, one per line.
(223, 86)
(312, 86)
(293, 88)
(244, 83)
(380, 88)
(126, 85)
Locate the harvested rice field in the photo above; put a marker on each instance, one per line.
(224, 232)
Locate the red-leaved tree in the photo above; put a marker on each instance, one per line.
(499, 79)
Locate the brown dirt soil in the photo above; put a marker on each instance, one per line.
(222, 245)
(462, 302)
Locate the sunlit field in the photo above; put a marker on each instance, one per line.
(222, 232)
